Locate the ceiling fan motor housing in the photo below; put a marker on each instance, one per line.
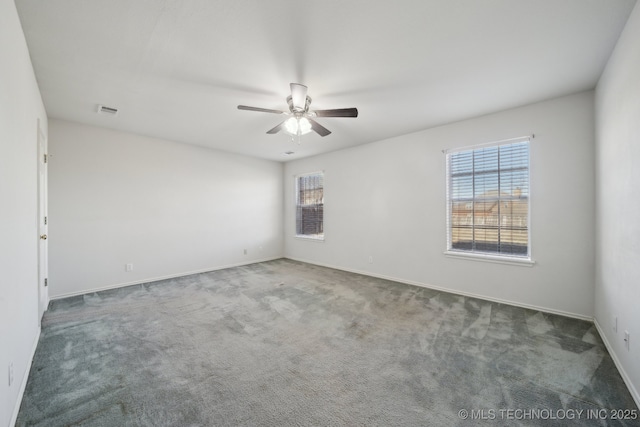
(295, 109)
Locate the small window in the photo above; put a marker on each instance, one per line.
(310, 205)
(488, 200)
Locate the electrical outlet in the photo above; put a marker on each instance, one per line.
(245, 251)
(10, 373)
(615, 324)
(370, 259)
(626, 339)
(128, 267)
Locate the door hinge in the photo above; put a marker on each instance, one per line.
(45, 220)
(45, 158)
(46, 282)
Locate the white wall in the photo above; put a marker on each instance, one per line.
(387, 200)
(20, 109)
(168, 208)
(618, 201)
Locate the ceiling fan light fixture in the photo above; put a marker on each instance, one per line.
(297, 126)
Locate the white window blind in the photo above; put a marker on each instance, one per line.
(310, 205)
(488, 199)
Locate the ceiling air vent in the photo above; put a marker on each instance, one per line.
(110, 111)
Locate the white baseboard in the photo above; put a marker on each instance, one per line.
(157, 279)
(25, 378)
(452, 291)
(614, 356)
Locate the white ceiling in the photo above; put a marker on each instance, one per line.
(177, 69)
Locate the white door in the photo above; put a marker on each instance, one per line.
(43, 220)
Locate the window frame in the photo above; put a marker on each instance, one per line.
(501, 258)
(297, 205)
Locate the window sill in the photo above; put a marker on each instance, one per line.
(523, 262)
(310, 238)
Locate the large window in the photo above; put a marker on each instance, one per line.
(310, 205)
(488, 199)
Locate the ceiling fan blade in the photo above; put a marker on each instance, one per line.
(276, 129)
(298, 95)
(261, 110)
(339, 112)
(318, 128)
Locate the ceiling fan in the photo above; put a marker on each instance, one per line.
(302, 119)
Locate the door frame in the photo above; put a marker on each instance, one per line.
(42, 223)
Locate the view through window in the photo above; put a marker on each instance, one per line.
(310, 205)
(488, 199)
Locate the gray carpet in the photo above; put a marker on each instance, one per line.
(284, 343)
